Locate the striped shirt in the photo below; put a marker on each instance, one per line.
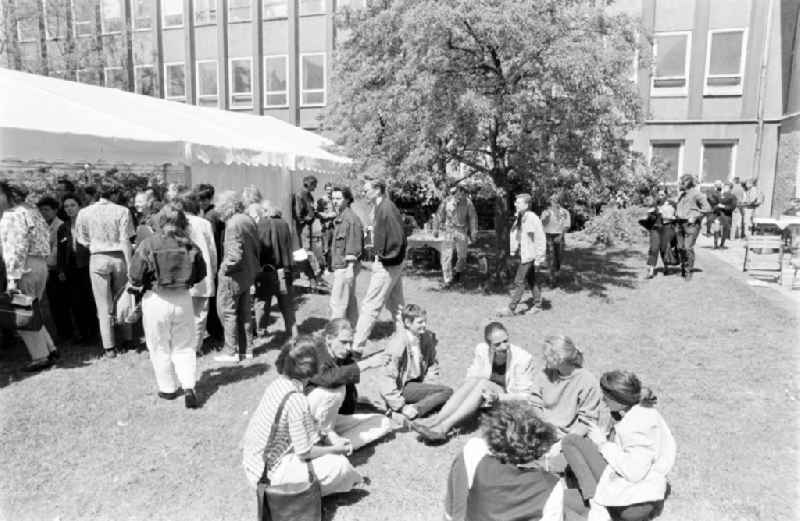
(297, 431)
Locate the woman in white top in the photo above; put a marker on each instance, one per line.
(626, 474)
(499, 371)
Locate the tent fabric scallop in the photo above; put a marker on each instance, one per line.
(93, 123)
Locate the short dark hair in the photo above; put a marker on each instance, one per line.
(491, 327)
(624, 387)
(412, 312)
(309, 180)
(347, 194)
(204, 191)
(14, 193)
(67, 183)
(108, 190)
(49, 202)
(688, 179)
(298, 358)
(74, 196)
(515, 434)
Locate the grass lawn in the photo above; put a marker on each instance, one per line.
(90, 439)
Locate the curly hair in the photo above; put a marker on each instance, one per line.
(228, 204)
(557, 349)
(515, 434)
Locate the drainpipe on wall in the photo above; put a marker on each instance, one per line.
(762, 87)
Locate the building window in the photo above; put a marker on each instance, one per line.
(55, 21)
(111, 16)
(207, 83)
(205, 12)
(669, 156)
(83, 12)
(142, 15)
(241, 83)
(718, 161)
(144, 80)
(311, 7)
(276, 72)
(174, 81)
(275, 9)
(238, 10)
(312, 83)
(115, 77)
(671, 61)
(88, 76)
(172, 11)
(28, 26)
(350, 4)
(725, 61)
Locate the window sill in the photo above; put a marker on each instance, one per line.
(142, 29)
(272, 18)
(205, 24)
(112, 33)
(276, 106)
(235, 22)
(165, 27)
(312, 105)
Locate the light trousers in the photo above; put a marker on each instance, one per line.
(385, 289)
(33, 283)
(343, 302)
(334, 472)
(200, 309)
(109, 274)
(360, 429)
(457, 244)
(169, 330)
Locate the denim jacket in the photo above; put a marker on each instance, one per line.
(348, 239)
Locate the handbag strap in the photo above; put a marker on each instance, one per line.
(274, 430)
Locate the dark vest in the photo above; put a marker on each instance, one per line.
(505, 492)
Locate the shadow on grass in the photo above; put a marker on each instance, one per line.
(312, 325)
(14, 357)
(594, 271)
(331, 503)
(212, 379)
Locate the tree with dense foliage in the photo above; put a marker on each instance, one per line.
(533, 95)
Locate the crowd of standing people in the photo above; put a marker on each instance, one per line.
(554, 438)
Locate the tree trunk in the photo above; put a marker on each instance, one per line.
(501, 228)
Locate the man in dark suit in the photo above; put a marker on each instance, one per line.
(237, 273)
(275, 277)
(389, 244)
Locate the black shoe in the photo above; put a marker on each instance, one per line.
(110, 353)
(54, 355)
(190, 399)
(38, 365)
(429, 435)
(169, 396)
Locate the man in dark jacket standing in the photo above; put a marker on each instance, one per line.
(275, 277)
(346, 247)
(237, 273)
(389, 244)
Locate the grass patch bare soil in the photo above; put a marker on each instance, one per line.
(90, 439)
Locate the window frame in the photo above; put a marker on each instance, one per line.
(164, 15)
(231, 93)
(315, 13)
(133, 17)
(725, 90)
(276, 92)
(242, 20)
(105, 76)
(41, 12)
(136, 81)
(103, 18)
(281, 17)
(324, 89)
(201, 96)
(205, 23)
(92, 70)
(75, 22)
(167, 65)
(666, 92)
(734, 143)
(681, 149)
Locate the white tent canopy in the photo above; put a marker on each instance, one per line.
(48, 119)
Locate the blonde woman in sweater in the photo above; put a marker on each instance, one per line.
(566, 395)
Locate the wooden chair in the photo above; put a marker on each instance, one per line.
(763, 255)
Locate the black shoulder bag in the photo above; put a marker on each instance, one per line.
(277, 505)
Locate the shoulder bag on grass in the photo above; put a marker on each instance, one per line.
(20, 312)
(275, 504)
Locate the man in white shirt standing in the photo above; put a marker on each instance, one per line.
(527, 240)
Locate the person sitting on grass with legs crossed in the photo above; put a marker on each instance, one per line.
(500, 371)
(332, 392)
(408, 384)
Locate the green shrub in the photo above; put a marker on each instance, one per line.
(615, 227)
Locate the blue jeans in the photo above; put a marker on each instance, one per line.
(687, 235)
(526, 276)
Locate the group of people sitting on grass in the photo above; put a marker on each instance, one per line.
(555, 442)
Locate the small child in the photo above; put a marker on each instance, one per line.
(716, 231)
(407, 385)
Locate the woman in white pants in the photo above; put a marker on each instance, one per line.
(164, 267)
